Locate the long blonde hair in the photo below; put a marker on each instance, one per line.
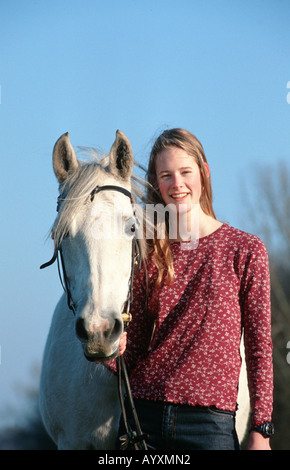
(186, 141)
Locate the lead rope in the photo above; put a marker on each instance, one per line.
(133, 439)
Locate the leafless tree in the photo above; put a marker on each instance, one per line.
(267, 208)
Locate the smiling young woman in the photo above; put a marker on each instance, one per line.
(189, 310)
(179, 174)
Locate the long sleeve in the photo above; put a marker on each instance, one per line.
(256, 309)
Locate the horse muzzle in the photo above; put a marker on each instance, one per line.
(100, 343)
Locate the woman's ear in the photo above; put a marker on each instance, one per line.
(206, 169)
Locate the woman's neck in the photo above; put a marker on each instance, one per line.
(208, 225)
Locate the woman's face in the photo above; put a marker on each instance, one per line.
(178, 177)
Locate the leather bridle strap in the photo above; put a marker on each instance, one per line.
(63, 279)
(109, 187)
(133, 439)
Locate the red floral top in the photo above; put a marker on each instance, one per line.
(193, 354)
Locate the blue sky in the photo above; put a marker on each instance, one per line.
(219, 68)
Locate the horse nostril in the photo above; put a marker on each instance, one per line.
(114, 331)
(80, 330)
(117, 329)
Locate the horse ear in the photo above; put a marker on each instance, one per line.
(64, 158)
(121, 157)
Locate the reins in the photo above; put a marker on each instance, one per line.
(134, 438)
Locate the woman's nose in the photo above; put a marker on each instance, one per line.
(176, 180)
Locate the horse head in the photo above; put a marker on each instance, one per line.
(93, 232)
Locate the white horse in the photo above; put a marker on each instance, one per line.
(79, 400)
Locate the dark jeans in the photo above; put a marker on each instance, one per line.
(182, 427)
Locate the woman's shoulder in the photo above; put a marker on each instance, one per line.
(243, 239)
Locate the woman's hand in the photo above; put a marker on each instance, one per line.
(258, 442)
(122, 343)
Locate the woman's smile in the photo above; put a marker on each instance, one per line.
(179, 195)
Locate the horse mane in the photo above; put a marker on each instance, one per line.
(75, 192)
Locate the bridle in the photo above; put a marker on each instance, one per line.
(133, 439)
(58, 256)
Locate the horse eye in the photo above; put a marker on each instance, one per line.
(130, 227)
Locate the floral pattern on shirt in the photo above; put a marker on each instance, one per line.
(193, 354)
